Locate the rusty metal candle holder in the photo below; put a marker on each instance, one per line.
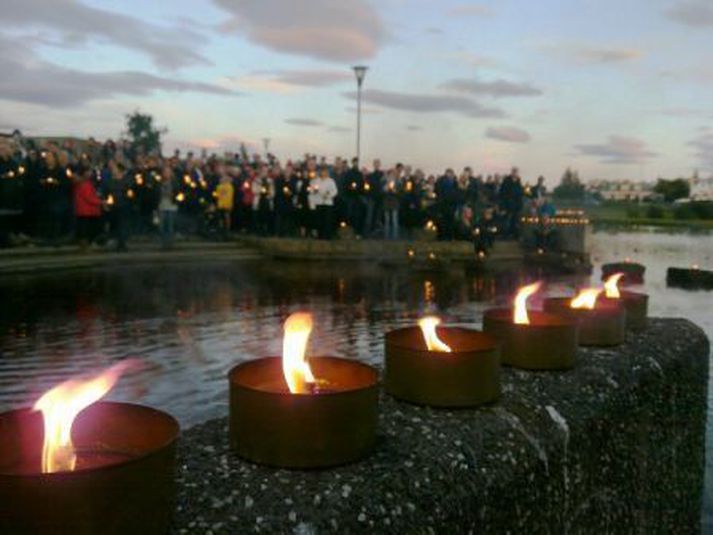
(636, 306)
(467, 376)
(692, 278)
(603, 325)
(633, 271)
(123, 481)
(548, 342)
(333, 425)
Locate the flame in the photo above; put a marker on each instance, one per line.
(586, 298)
(61, 405)
(611, 286)
(428, 327)
(294, 366)
(520, 313)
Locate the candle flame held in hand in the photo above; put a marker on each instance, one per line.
(61, 405)
(586, 298)
(433, 343)
(520, 313)
(611, 286)
(298, 374)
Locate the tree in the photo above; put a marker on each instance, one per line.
(569, 187)
(144, 137)
(672, 190)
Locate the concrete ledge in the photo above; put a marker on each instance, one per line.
(615, 445)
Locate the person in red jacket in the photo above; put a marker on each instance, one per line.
(87, 207)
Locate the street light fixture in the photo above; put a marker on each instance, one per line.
(360, 72)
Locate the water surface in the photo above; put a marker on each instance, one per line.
(190, 322)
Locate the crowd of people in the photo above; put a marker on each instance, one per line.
(103, 191)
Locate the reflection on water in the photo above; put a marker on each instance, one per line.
(191, 322)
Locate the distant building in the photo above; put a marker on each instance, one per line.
(622, 190)
(701, 189)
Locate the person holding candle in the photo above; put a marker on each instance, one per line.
(391, 189)
(87, 207)
(225, 194)
(121, 204)
(167, 206)
(322, 195)
(373, 198)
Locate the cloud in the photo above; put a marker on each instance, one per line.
(338, 129)
(299, 121)
(618, 150)
(594, 55)
(413, 127)
(323, 29)
(470, 59)
(703, 146)
(470, 10)
(27, 78)
(290, 81)
(697, 13)
(434, 30)
(496, 88)
(506, 133)
(427, 103)
(76, 23)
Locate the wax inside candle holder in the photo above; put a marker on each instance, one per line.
(467, 376)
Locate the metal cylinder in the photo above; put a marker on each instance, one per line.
(466, 377)
(637, 309)
(271, 426)
(548, 342)
(124, 481)
(689, 278)
(633, 272)
(603, 325)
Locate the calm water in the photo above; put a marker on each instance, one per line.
(189, 323)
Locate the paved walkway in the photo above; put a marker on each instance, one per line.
(36, 259)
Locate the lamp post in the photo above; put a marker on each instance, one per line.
(266, 145)
(360, 72)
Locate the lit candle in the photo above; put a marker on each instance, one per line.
(635, 304)
(441, 366)
(601, 323)
(530, 339)
(302, 413)
(85, 457)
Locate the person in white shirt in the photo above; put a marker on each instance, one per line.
(323, 190)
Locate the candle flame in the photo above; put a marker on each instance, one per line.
(611, 286)
(295, 368)
(586, 298)
(61, 405)
(433, 343)
(520, 314)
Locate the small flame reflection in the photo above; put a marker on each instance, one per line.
(586, 298)
(611, 286)
(520, 313)
(295, 368)
(433, 343)
(61, 405)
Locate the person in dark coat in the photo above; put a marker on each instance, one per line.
(446, 190)
(373, 198)
(119, 201)
(354, 186)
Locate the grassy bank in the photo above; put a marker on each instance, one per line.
(647, 214)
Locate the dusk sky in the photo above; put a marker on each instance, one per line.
(613, 88)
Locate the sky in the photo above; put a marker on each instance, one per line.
(617, 89)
